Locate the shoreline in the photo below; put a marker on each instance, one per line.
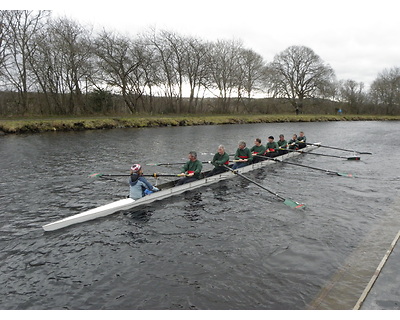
(57, 124)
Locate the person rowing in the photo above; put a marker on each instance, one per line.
(191, 169)
(282, 144)
(243, 156)
(257, 150)
(301, 140)
(138, 185)
(220, 160)
(292, 142)
(271, 148)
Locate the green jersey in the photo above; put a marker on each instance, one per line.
(302, 139)
(243, 154)
(260, 150)
(282, 144)
(193, 167)
(272, 146)
(220, 160)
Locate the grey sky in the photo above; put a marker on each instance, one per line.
(357, 38)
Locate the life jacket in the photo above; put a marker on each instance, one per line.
(242, 157)
(134, 177)
(189, 172)
(227, 162)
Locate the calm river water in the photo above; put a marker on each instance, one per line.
(227, 246)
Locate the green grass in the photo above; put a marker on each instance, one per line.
(36, 124)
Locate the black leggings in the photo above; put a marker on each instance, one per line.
(185, 180)
(216, 170)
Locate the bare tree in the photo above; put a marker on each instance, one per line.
(175, 44)
(182, 62)
(385, 90)
(253, 68)
(120, 61)
(196, 66)
(62, 64)
(352, 93)
(250, 76)
(224, 71)
(169, 62)
(298, 73)
(4, 38)
(21, 26)
(149, 69)
(46, 67)
(73, 43)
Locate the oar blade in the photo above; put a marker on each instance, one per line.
(294, 204)
(354, 158)
(342, 174)
(95, 175)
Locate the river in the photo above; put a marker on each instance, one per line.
(226, 246)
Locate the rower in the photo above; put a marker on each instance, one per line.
(220, 160)
(301, 140)
(271, 148)
(282, 144)
(293, 141)
(257, 150)
(138, 185)
(243, 156)
(191, 170)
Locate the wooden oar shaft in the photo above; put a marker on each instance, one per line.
(320, 154)
(165, 164)
(325, 155)
(300, 165)
(256, 183)
(172, 163)
(304, 166)
(335, 148)
(155, 175)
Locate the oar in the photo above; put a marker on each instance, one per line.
(314, 168)
(288, 202)
(154, 175)
(327, 155)
(171, 163)
(320, 145)
(164, 164)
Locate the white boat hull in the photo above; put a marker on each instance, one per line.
(91, 214)
(127, 203)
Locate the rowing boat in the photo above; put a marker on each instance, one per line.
(166, 190)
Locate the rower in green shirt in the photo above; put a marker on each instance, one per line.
(191, 169)
(282, 144)
(301, 140)
(272, 148)
(257, 150)
(243, 156)
(220, 160)
(293, 141)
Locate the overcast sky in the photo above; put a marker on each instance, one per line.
(357, 38)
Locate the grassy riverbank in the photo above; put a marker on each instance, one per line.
(35, 125)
